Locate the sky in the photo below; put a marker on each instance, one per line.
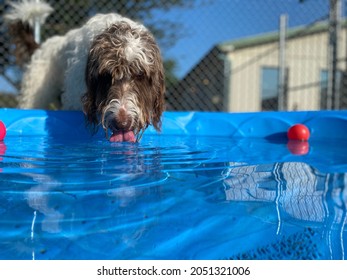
(212, 22)
(7, 87)
(217, 21)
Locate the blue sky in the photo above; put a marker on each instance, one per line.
(7, 87)
(213, 22)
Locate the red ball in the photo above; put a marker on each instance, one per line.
(298, 132)
(2, 131)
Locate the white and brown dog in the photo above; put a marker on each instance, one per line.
(111, 68)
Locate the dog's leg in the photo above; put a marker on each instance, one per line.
(74, 84)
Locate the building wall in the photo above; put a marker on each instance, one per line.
(306, 57)
(244, 82)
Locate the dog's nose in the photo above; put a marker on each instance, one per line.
(123, 121)
(123, 125)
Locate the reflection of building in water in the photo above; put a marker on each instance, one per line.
(299, 190)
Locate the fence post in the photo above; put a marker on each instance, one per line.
(333, 93)
(37, 27)
(282, 63)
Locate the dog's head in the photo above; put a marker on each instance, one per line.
(125, 82)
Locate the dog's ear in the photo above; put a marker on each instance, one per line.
(98, 85)
(159, 99)
(89, 98)
(158, 82)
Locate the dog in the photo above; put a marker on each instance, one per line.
(110, 68)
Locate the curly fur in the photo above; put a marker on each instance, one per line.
(110, 68)
(130, 96)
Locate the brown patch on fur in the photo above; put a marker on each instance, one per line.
(22, 36)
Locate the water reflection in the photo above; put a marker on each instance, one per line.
(298, 147)
(51, 189)
(300, 194)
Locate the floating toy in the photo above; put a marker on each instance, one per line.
(2, 131)
(298, 132)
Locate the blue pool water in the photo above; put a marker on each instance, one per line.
(211, 186)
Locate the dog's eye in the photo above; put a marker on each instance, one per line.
(105, 78)
(140, 75)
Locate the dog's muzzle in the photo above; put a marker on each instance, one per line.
(122, 124)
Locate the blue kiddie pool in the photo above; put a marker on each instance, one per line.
(210, 186)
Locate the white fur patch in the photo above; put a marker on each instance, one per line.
(127, 103)
(29, 11)
(134, 50)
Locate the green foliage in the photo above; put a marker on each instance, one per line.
(170, 78)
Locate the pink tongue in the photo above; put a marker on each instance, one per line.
(123, 136)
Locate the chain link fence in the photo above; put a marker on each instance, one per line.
(223, 55)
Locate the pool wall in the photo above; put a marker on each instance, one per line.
(269, 125)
